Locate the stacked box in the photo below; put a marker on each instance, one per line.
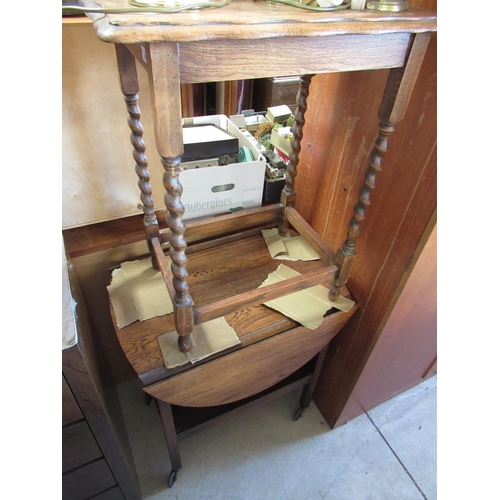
(213, 190)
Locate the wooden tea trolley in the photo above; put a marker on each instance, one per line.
(226, 255)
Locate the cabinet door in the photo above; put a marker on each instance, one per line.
(70, 410)
(78, 446)
(405, 353)
(87, 481)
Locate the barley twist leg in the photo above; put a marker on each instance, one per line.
(183, 303)
(345, 254)
(288, 193)
(141, 169)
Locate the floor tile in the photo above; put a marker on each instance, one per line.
(408, 422)
(263, 454)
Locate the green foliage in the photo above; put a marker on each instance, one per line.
(264, 140)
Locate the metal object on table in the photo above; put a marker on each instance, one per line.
(314, 5)
(388, 5)
(147, 6)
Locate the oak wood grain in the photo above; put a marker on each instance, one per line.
(308, 233)
(167, 420)
(261, 295)
(159, 257)
(249, 298)
(127, 71)
(405, 345)
(182, 301)
(130, 87)
(247, 20)
(218, 415)
(397, 93)
(248, 371)
(232, 223)
(221, 60)
(165, 90)
(237, 268)
(114, 233)
(402, 80)
(226, 28)
(340, 135)
(288, 192)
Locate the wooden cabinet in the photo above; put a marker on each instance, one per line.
(94, 456)
(275, 91)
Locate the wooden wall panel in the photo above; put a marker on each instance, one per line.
(98, 177)
(407, 346)
(86, 372)
(341, 124)
(92, 272)
(99, 182)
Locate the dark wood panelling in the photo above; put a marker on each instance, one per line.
(82, 483)
(70, 410)
(275, 91)
(78, 446)
(97, 400)
(337, 141)
(93, 274)
(95, 237)
(112, 494)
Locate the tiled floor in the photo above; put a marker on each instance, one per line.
(387, 453)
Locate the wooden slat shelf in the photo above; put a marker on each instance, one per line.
(189, 422)
(216, 274)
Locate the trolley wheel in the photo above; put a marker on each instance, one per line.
(298, 414)
(172, 478)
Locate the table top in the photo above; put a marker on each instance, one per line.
(236, 267)
(250, 20)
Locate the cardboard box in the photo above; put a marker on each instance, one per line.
(207, 141)
(278, 114)
(216, 190)
(279, 142)
(252, 123)
(249, 122)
